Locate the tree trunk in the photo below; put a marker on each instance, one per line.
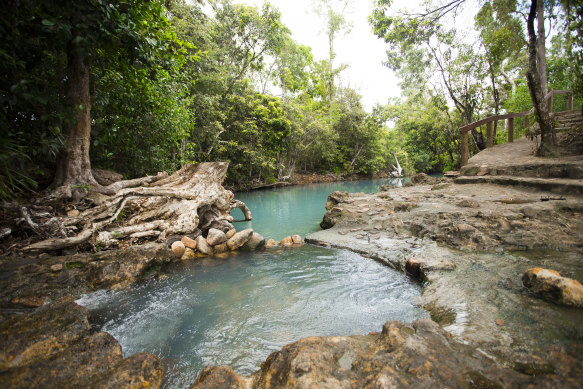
(535, 84)
(74, 167)
(541, 51)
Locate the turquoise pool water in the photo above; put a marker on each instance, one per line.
(278, 213)
(236, 311)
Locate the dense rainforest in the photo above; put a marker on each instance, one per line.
(142, 86)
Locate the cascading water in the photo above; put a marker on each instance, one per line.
(236, 311)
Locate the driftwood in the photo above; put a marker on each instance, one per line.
(156, 207)
(397, 170)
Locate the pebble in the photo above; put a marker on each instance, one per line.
(73, 213)
(56, 268)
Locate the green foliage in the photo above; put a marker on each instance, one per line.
(424, 130)
(13, 177)
(133, 55)
(140, 121)
(257, 128)
(175, 81)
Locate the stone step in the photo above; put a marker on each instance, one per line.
(571, 112)
(569, 125)
(567, 115)
(554, 185)
(575, 120)
(543, 169)
(562, 129)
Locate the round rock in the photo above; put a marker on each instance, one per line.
(239, 239)
(178, 249)
(215, 237)
(203, 247)
(188, 254)
(188, 242)
(256, 242)
(287, 241)
(271, 243)
(296, 239)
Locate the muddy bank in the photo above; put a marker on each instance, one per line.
(470, 246)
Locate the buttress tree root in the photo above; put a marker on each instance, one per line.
(189, 202)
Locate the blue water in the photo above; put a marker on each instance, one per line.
(236, 311)
(281, 212)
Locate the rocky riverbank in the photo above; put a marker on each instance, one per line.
(46, 338)
(471, 246)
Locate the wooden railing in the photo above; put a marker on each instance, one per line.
(465, 130)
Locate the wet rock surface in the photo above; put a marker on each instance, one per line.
(55, 347)
(551, 286)
(471, 245)
(46, 339)
(33, 281)
(239, 239)
(470, 217)
(417, 355)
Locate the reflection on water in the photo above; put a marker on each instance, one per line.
(237, 311)
(278, 213)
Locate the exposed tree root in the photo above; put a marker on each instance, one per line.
(192, 200)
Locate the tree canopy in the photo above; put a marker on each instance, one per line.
(140, 86)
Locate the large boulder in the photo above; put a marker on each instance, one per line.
(256, 242)
(239, 239)
(551, 286)
(336, 198)
(422, 178)
(331, 217)
(120, 268)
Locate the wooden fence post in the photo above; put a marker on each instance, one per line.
(489, 135)
(510, 130)
(526, 122)
(570, 101)
(550, 102)
(464, 146)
